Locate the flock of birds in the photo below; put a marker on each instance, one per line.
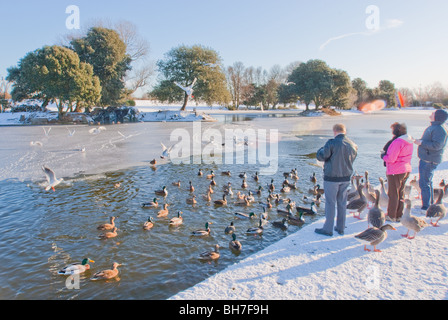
(363, 196)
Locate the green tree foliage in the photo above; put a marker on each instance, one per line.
(287, 94)
(55, 74)
(387, 92)
(360, 87)
(106, 52)
(316, 82)
(184, 64)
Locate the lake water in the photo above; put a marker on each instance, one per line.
(41, 232)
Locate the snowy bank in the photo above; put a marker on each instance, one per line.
(308, 266)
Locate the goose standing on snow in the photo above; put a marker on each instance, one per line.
(411, 222)
(376, 216)
(358, 204)
(437, 210)
(384, 198)
(374, 236)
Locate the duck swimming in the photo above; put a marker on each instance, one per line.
(281, 224)
(234, 244)
(230, 229)
(163, 192)
(311, 210)
(164, 212)
(148, 225)
(256, 230)
(202, 232)
(76, 268)
(177, 220)
(107, 274)
(210, 255)
(108, 235)
(107, 226)
(153, 204)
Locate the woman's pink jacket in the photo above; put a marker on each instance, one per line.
(399, 155)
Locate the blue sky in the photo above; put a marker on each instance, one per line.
(409, 48)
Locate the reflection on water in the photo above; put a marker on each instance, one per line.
(41, 232)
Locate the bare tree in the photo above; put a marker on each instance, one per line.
(235, 79)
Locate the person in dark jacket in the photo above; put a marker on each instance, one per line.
(430, 151)
(338, 156)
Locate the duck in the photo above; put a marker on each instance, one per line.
(259, 190)
(210, 189)
(311, 210)
(76, 268)
(230, 229)
(376, 216)
(278, 199)
(384, 197)
(287, 212)
(296, 220)
(107, 274)
(108, 235)
(153, 204)
(164, 212)
(234, 244)
(245, 202)
(374, 236)
(244, 185)
(163, 192)
(268, 203)
(264, 214)
(285, 188)
(271, 185)
(210, 255)
(175, 221)
(208, 196)
(292, 186)
(286, 175)
(222, 202)
(226, 173)
(313, 178)
(200, 173)
(107, 226)
(176, 184)
(213, 182)
(437, 210)
(228, 189)
(241, 215)
(358, 204)
(411, 222)
(211, 175)
(256, 230)
(191, 188)
(416, 185)
(256, 177)
(148, 225)
(191, 200)
(202, 232)
(281, 224)
(243, 175)
(313, 190)
(294, 175)
(153, 162)
(354, 194)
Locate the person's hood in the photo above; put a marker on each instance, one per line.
(406, 138)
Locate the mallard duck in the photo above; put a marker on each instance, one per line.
(278, 199)
(228, 190)
(176, 184)
(311, 210)
(202, 232)
(256, 177)
(286, 174)
(242, 175)
(376, 217)
(211, 175)
(264, 214)
(259, 190)
(76, 268)
(271, 185)
(107, 226)
(208, 197)
(191, 200)
(148, 225)
(296, 220)
(256, 230)
(230, 229)
(242, 215)
(210, 255)
(268, 203)
(108, 235)
(245, 202)
(222, 202)
(358, 204)
(213, 182)
(234, 244)
(163, 192)
(226, 173)
(294, 175)
(287, 212)
(153, 204)
(107, 274)
(250, 197)
(244, 185)
(200, 173)
(191, 188)
(285, 188)
(153, 162)
(384, 197)
(437, 210)
(374, 236)
(281, 224)
(411, 222)
(313, 178)
(175, 221)
(164, 212)
(210, 189)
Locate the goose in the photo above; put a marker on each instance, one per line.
(437, 210)
(311, 210)
(354, 194)
(234, 244)
(281, 224)
(374, 236)
(107, 226)
(164, 212)
(175, 221)
(243, 175)
(230, 229)
(411, 222)
(153, 204)
(407, 191)
(76, 268)
(358, 204)
(148, 225)
(210, 255)
(370, 195)
(202, 232)
(416, 185)
(368, 187)
(438, 190)
(163, 192)
(256, 230)
(52, 180)
(376, 217)
(109, 235)
(107, 274)
(384, 198)
(222, 202)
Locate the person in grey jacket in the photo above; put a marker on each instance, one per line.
(430, 152)
(339, 155)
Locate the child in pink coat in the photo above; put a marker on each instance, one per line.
(398, 167)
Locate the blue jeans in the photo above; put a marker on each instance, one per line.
(426, 171)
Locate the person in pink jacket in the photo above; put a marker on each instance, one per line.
(398, 168)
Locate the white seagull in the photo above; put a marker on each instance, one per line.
(47, 132)
(51, 178)
(97, 130)
(36, 144)
(188, 90)
(71, 133)
(165, 151)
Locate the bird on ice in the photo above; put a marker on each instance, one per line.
(188, 90)
(97, 130)
(51, 178)
(166, 151)
(46, 132)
